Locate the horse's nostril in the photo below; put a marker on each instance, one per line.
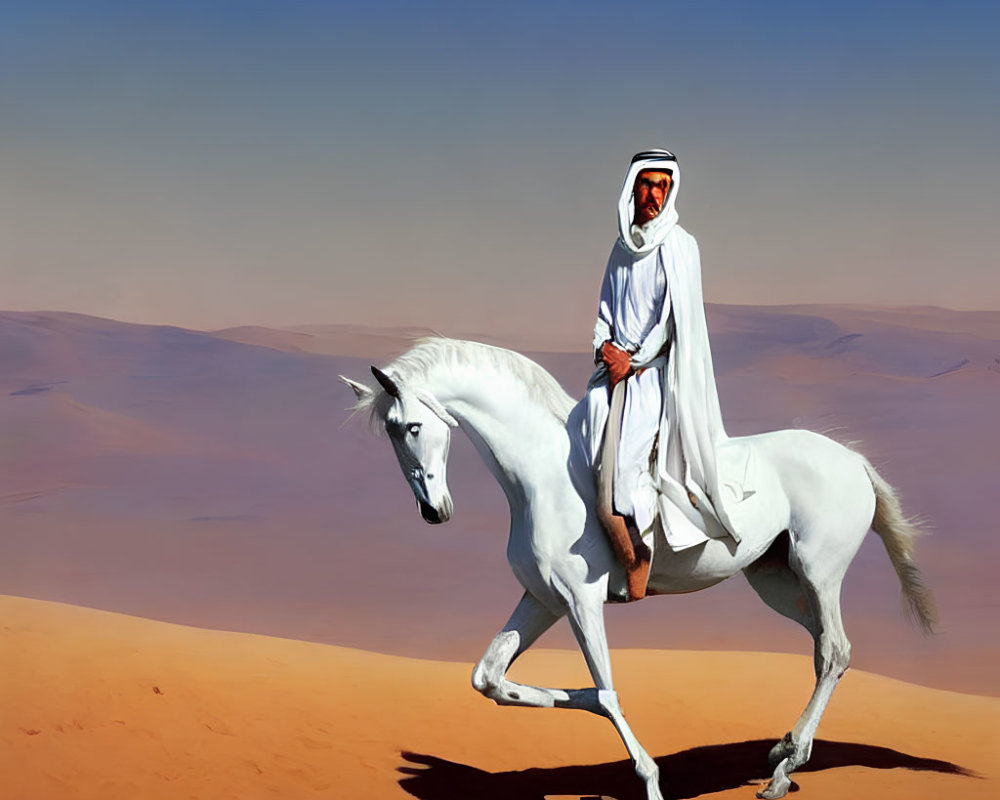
(429, 513)
(430, 475)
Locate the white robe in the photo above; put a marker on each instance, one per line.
(634, 298)
(635, 313)
(676, 394)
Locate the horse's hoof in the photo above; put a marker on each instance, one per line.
(780, 784)
(778, 787)
(781, 751)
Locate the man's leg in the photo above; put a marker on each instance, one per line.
(604, 416)
(635, 489)
(629, 549)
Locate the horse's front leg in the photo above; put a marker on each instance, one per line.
(586, 615)
(529, 620)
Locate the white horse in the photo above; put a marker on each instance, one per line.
(526, 429)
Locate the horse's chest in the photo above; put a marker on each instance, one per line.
(549, 538)
(531, 560)
(527, 563)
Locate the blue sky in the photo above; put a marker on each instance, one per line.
(457, 165)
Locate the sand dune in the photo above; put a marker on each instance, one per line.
(261, 336)
(101, 705)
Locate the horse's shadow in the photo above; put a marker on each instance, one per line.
(690, 773)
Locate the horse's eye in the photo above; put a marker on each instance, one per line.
(413, 428)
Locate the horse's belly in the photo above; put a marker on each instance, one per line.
(701, 566)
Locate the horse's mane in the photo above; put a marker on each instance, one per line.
(414, 366)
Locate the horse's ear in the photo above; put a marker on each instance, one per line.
(361, 391)
(387, 383)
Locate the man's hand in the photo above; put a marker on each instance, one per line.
(617, 361)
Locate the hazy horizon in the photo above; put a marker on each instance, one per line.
(397, 326)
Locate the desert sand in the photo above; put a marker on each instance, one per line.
(101, 705)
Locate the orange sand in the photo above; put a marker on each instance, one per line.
(101, 705)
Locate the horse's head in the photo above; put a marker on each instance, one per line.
(419, 428)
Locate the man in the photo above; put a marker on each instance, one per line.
(654, 384)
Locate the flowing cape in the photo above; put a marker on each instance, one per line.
(717, 470)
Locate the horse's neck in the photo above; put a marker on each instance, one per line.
(515, 435)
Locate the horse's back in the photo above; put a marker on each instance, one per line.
(825, 482)
(799, 453)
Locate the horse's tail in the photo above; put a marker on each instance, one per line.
(897, 533)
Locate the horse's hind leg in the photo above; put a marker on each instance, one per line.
(832, 654)
(779, 587)
(820, 614)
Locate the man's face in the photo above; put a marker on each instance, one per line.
(650, 193)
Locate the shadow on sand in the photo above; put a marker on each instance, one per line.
(686, 774)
